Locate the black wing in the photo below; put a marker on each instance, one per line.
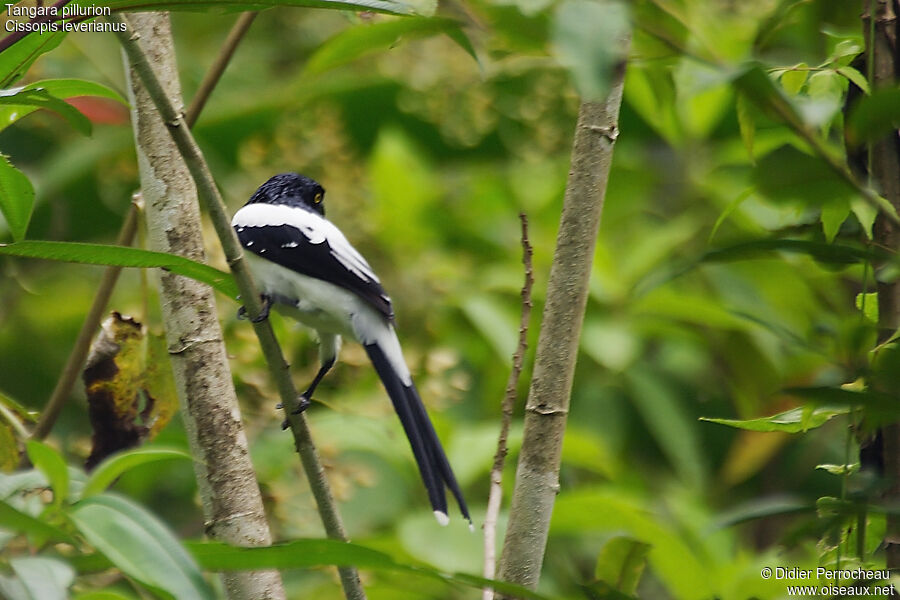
(316, 248)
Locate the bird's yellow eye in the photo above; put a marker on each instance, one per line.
(318, 198)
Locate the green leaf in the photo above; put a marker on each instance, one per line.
(14, 520)
(111, 468)
(600, 590)
(789, 175)
(12, 589)
(303, 553)
(52, 465)
(679, 564)
(140, 545)
(588, 40)
(367, 38)
(307, 553)
(874, 116)
(880, 406)
(833, 216)
(9, 448)
(57, 88)
(839, 469)
(621, 563)
(385, 6)
(21, 481)
(868, 303)
(838, 254)
(855, 77)
(16, 198)
(39, 98)
(92, 562)
(747, 126)
(793, 79)
(831, 506)
(759, 88)
(758, 508)
(43, 578)
(15, 60)
(865, 214)
(824, 97)
(121, 256)
(732, 206)
(795, 420)
(102, 595)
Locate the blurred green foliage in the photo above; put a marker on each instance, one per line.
(729, 263)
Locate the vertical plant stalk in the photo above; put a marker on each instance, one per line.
(278, 368)
(537, 474)
(232, 504)
(78, 355)
(495, 495)
(885, 164)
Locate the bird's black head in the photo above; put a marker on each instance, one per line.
(292, 189)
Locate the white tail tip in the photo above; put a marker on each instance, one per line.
(442, 518)
(471, 527)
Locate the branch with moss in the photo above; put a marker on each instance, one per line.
(278, 368)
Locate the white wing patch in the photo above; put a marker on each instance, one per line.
(315, 228)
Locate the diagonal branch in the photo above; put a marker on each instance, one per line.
(217, 68)
(278, 368)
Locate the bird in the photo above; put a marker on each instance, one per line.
(306, 269)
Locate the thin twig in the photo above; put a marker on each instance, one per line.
(214, 73)
(83, 341)
(278, 368)
(509, 402)
(126, 236)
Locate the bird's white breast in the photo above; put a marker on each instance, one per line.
(318, 304)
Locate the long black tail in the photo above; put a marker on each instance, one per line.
(433, 464)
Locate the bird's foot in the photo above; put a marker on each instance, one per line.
(263, 313)
(302, 404)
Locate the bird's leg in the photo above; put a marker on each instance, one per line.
(263, 313)
(304, 399)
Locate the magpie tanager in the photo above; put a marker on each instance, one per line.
(307, 270)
